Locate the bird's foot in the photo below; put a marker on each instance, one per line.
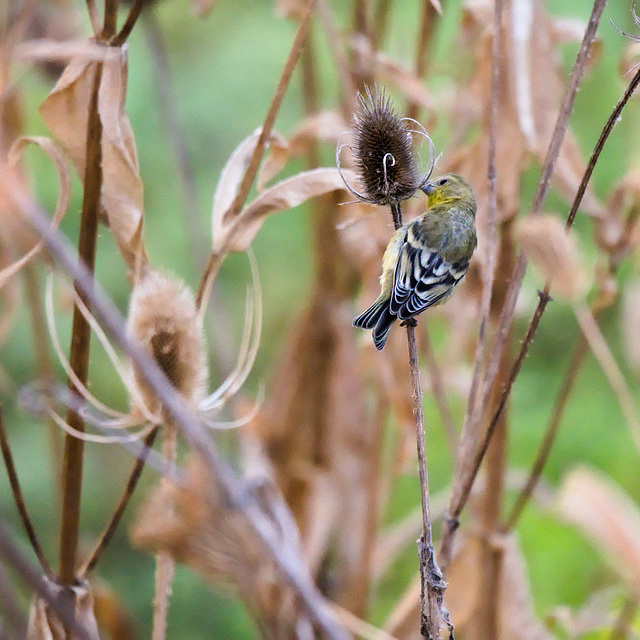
(409, 322)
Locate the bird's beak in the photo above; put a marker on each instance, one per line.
(428, 188)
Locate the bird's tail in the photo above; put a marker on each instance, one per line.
(378, 318)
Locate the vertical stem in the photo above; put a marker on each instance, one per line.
(80, 340)
(432, 584)
(110, 19)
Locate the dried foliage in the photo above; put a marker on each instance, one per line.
(325, 455)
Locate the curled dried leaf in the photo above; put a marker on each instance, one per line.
(284, 195)
(553, 253)
(229, 183)
(65, 111)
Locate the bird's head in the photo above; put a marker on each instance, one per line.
(451, 188)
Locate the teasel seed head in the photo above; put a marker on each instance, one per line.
(163, 318)
(383, 150)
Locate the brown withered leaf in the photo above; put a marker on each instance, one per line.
(607, 516)
(65, 111)
(62, 204)
(44, 624)
(229, 183)
(324, 126)
(285, 195)
(553, 253)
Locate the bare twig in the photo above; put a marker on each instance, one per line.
(462, 486)
(432, 583)
(127, 492)
(94, 16)
(18, 497)
(254, 163)
(110, 19)
(130, 22)
(80, 340)
(235, 491)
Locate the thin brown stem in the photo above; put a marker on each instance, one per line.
(18, 497)
(265, 133)
(80, 341)
(110, 22)
(129, 23)
(462, 487)
(94, 16)
(123, 501)
(432, 583)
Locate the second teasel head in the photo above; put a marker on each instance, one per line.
(383, 151)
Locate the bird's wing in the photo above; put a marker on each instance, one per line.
(422, 279)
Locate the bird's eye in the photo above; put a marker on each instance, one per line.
(442, 182)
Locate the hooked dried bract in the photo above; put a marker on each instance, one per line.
(163, 318)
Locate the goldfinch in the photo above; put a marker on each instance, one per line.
(425, 258)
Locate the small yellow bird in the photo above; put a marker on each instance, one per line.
(425, 258)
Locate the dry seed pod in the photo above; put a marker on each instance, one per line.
(554, 254)
(163, 318)
(383, 151)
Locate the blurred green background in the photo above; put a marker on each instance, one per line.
(224, 69)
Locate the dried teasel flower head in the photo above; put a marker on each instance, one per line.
(554, 254)
(163, 318)
(383, 150)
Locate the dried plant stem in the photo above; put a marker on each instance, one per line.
(475, 450)
(110, 22)
(235, 491)
(254, 163)
(18, 497)
(94, 16)
(129, 23)
(165, 564)
(80, 341)
(14, 617)
(431, 581)
(118, 512)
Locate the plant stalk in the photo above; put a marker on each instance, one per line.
(80, 341)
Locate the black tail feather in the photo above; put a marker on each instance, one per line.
(381, 330)
(369, 319)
